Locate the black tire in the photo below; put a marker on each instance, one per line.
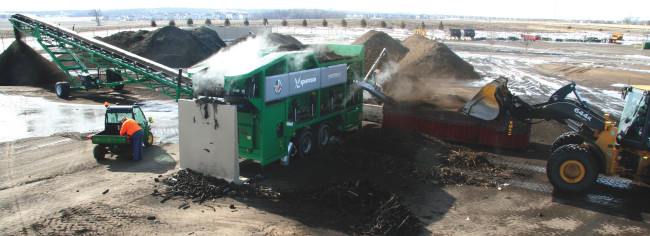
(114, 77)
(324, 134)
(62, 89)
(99, 152)
(148, 141)
(572, 168)
(305, 142)
(566, 138)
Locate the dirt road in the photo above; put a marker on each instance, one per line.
(53, 185)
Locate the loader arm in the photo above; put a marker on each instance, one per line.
(567, 112)
(494, 100)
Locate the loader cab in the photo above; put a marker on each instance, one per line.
(634, 124)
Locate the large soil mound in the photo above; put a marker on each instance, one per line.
(424, 70)
(21, 65)
(374, 42)
(170, 45)
(430, 59)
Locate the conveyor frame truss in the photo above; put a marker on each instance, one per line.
(68, 49)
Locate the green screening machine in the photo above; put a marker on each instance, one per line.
(290, 102)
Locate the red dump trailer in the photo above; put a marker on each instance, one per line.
(531, 37)
(455, 126)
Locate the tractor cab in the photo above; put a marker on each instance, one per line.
(634, 123)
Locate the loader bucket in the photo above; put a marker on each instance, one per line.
(487, 104)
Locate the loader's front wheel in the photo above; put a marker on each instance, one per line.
(99, 152)
(62, 89)
(566, 138)
(305, 142)
(572, 168)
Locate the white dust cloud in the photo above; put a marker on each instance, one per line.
(236, 59)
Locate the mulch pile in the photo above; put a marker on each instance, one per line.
(170, 45)
(21, 65)
(468, 168)
(380, 212)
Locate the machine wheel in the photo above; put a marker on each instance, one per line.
(566, 138)
(99, 152)
(114, 77)
(324, 134)
(148, 141)
(305, 142)
(62, 89)
(571, 168)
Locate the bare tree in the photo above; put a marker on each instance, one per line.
(97, 14)
(627, 20)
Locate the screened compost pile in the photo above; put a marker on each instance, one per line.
(426, 71)
(170, 45)
(21, 65)
(430, 59)
(374, 42)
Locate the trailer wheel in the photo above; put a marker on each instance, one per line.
(62, 89)
(149, 140)
(99, 152)
(305, 142)
(571, 168)
(566, 138)
(324, 134)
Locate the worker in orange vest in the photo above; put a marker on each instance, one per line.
(130, 127)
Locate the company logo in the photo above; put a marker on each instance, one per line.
(582, 114)
(302, 82)
(277, 86)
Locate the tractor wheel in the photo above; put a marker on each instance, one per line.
(305, 142)
(572, 168)
(62, 89)
(148, 141)
(566, 138)
(324, 134)
(99, 152)
(114, 77)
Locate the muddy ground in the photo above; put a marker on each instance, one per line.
(53, 185)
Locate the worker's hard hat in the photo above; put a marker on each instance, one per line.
(106, 104)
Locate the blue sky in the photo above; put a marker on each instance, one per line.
(540, 9)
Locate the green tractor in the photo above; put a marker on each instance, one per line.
(110, 140)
